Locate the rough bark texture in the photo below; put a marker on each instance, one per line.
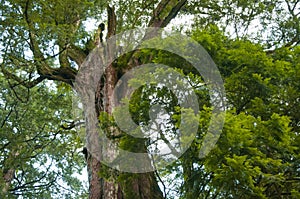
(95, 188)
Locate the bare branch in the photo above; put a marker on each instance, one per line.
(63, 74)
(71, 125)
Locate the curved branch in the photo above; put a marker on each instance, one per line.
(160, 21)
(76, 54)
(173, 13)
(33, 43)
(27, 84)
(65, 73)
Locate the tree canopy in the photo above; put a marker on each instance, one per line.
(255, 45)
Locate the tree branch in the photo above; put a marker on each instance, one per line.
(291, 44)
(65, 73)
(158, 19)
(76, 54)
(112, 22)
(173, 13)
(33, 43)
(28, 84)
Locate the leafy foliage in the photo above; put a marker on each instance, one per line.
(42, 155)
(257, 153)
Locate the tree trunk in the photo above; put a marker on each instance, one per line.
(96, 97)
(105, 182)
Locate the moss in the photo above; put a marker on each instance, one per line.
(126, 179)
(108, 173)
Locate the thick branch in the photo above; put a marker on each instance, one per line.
(173, 13)
(65, 73)
(160, 19)
(76, 54)
(8, 176)
(112, 22)
(111, 30)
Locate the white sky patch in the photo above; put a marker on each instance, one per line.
(90, 25)
(184, 22)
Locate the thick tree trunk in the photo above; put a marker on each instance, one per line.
(144, 185)
(120, 184)
(105, 182)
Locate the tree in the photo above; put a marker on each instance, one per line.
(37, 34)
(43, 41)
(39, 155)
(256, 155)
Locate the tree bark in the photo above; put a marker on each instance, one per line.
(143, 186)
(131, 185)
